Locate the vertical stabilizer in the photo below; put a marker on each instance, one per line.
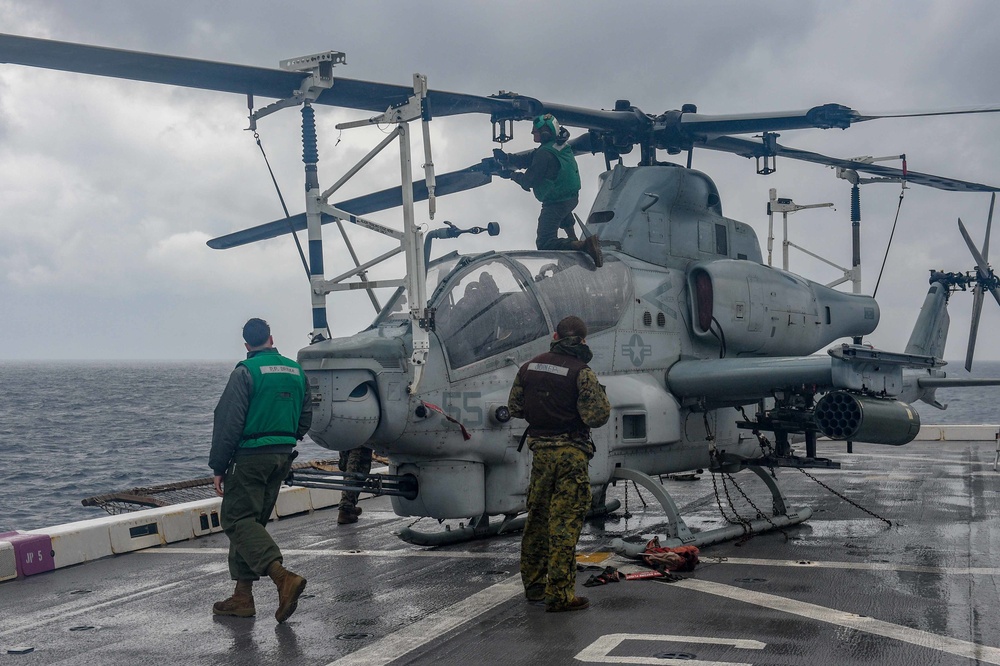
(930, 333)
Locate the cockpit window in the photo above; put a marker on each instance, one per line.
(485, 312)
(567, 284)
(396, 309)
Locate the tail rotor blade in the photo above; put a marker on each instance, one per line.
(989, 223)
(977, 310)
(981, 263)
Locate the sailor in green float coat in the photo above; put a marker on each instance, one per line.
(552, 175)
(265, 409)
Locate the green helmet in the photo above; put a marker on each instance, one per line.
(546, 123)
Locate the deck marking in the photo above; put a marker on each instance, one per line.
(741, 561)
(598, 651)
(58, 615)
(858, 566)
(432, 627)
(919, 458)
(306, 552)
(967, 649)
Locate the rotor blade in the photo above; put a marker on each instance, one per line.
(825, 116)
(977, 310)
(822, 117)
(448, 183)
(748, 148)
(862, 117)
(241, 79)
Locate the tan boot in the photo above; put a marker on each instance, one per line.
(575, 604)
(240, 604)
(592, 246)
(290, 587)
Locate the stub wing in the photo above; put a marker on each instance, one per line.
(734, 381)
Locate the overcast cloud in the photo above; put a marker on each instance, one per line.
(109, 189)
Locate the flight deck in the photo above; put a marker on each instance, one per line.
(843, 588)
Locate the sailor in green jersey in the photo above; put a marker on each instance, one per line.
(265, 409)
(551, 173)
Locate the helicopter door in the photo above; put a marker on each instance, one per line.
(657, 228)
(488, 310)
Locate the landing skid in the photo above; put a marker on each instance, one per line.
(678, 533)
(478, 528)
(482, 528)
(793, 461)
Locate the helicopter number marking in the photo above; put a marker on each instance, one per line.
(599, 651)
(463, 407)
(636, 350)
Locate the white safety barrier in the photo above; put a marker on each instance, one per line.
(321, 498)
(8, 565)
(82, 541)
(292, 501)
(86, 540)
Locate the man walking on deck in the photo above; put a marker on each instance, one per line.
(264, 410)
(559, 396)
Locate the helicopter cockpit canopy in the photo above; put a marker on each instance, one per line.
(498, 302)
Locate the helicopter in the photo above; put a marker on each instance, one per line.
(688, 325)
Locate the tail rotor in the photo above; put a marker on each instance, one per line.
(985, 280)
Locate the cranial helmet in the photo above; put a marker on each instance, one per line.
(546, 123)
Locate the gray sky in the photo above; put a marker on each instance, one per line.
(109, 189)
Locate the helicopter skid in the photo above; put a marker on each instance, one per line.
(796, 462)
(679, 534)
(478, 529)
(719, 535)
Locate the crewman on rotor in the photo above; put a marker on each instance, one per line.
(551, 173)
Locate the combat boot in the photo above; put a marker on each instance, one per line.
(238, 605)
(290, 587)
(535, 594)
(575, 604)
(592, 246)
(347, 515)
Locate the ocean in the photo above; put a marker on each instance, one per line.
(71, 430)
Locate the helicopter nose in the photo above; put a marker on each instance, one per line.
(346, 409)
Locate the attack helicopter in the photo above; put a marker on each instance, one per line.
(686, 320)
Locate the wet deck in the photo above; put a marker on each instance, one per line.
(844, 588)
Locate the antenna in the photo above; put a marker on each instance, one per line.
(786, 206)
(851, 176)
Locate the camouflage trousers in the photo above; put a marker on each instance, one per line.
(558, 499)
(359, 461)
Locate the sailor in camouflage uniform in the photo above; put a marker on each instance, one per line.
(355, 461)
(560, 397)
